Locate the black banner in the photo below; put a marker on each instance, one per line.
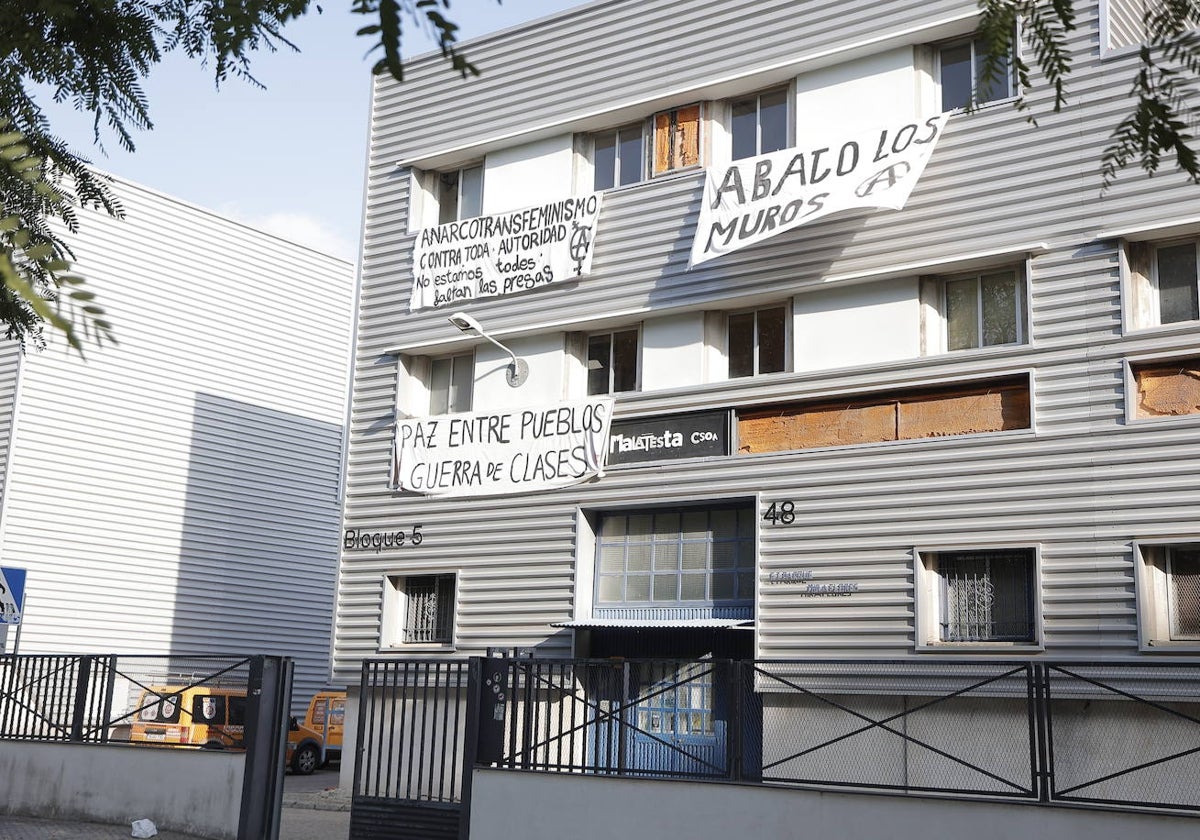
(669, 437)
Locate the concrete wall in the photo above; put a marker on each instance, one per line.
(600, 809)
(194, 792)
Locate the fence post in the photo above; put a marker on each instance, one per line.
(268, 697)
(110, 687)
(1045, 749)
(79, 711)
(471, 742)
(736, 723)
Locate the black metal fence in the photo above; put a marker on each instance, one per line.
(1124, 735)
(107, 698)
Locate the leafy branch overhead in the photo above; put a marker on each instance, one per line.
(1168, 64)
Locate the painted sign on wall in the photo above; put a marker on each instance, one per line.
(500, 453)
(754, 199)
(490, 256)
(669, 437)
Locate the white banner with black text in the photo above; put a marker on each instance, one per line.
(491, 256)
(754, 199)
(487, 453)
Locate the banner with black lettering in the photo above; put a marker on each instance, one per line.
(751, 200)
(489, 256)
(494, 453)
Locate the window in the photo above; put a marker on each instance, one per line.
(424, 609)
(757, 341)
(451, 380)
(960, 67)
(460, 194)
(1173, 277)
(676, 139)
(985, 310)
(760, 124)
(980, 596)
(617, 157)
(1170, 586)
(696, 557)
(612, 362)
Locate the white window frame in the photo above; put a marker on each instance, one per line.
(439, 185)
(789, 119)
(1153, 314)
(972, 40)
(611, 369)
(1131, 387)
(1151, 560)
(788, 325)
(467, 358)
(702, 132)
(396, 605)
(1022, 297)
(928, 601)
(616, 132)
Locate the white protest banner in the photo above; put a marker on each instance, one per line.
(753, 199)
(488, 256)
(498, 453)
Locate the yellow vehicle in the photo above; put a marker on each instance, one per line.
(327, 715)
(200, 715)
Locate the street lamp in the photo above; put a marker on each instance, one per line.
(518, 370)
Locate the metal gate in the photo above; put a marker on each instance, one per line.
(412, 765)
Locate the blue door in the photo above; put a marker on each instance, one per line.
(677, 720)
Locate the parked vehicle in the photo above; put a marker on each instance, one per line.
(327, 715)
(205, 716)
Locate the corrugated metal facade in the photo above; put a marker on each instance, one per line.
(178, 493)
(1081, 483)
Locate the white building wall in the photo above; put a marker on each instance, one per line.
(857, 325)
(179, 492)
(528, 175)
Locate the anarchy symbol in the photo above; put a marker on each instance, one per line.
(581, 243)
(885, 178)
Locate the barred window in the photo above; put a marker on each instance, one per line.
(986, 596)
(428, 609)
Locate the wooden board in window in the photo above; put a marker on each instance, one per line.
(676, 139)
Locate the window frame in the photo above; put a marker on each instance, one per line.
(742, 603)
(396, 606)
(929, 607)
(587, 343)
(1021, 298)
(972, 40)
(789, 120)
(640, 127)
(788, 326)
(1152, 560)
(440, 186)
(651, 157)
(1155, 279)
(451, 386)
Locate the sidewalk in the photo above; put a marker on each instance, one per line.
(317, 815)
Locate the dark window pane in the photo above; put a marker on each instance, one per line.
(625, 360)
(1185, 593)
(744, 127)
(987, 596)
(471, 194)
(462, 382)
(439, 385)
(772, 340)
(741, 345)
(1177, 283)
(629, 154)
(598, 363)
(956, 75)
(772, 121)
(604, 160)
(1000, 307)
(962, 314)
(447, 197)
(999, 86)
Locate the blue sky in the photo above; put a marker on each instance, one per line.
(288, 159)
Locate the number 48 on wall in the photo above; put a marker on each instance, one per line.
(781, 513)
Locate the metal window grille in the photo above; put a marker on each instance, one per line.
(429, 609)
(986, 595)
(1183, 572)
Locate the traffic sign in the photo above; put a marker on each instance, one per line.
(12, 595)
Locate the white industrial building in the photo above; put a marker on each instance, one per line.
(753, 409)
(178, 493)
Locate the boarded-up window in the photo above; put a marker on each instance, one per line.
(676, 139)
(992, 406)
(1167, 389)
